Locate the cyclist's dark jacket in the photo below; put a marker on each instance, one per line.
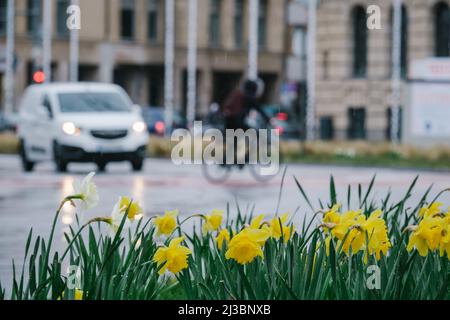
(236, 109)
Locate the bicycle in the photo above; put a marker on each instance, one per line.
(218, 173)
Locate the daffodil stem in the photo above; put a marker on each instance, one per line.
(184, 221)
(190, 217)
(105, 220)
(50, 239)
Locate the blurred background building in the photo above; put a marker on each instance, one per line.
(354, 64)
(122, 41)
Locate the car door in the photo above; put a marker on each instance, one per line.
(43, 129)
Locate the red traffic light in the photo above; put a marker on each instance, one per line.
(39, 76)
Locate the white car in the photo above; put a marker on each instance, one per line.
(80, 122)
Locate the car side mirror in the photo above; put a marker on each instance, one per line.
(43, 112)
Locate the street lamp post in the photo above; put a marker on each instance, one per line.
(169, 64)
(47, 40)
(253, 40)
(311, 71)
(396, 70)
(192, 62)
(9, 59)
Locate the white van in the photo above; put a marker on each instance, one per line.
(80, 122)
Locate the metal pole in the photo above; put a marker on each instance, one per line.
(47, 40)
(192, 62)
(396, 70)
(9, 68)
(253, 40)
(169, 65)
(74, 49)
(311, 72)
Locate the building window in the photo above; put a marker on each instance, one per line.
(238, 22)
(262, 23)
(326, 128)
(441, 30)
(214, 23)
(34, 11)
(61, 17)
(3, 13)
(359, 42)
(356, 123)
(389, 123)
(127, 19)
(152, 23)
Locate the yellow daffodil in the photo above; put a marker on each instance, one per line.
(346, 221)
(86, 196)
(257, 222)
(173, 258)
(134, 209)
(279, 228)
(120, 208)
(431, 211)
(167, 223)
(370, 235)
(213, 221)
(78, 295)
(246, 246)
(224, 235)
(332, 217)
(358, 232)
(444, 245)
(427, 235)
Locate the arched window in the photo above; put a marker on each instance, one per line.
(404, 40)
(441, 30)
(359, 42)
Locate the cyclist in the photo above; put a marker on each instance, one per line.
(238, 106)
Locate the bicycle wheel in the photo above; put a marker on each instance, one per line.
(216, 173)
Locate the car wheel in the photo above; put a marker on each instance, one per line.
(137, 164)
(61, 164)
(27, 165)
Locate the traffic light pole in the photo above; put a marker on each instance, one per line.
(396, 71)
(47, 40)
(169, 65)
(311, 72)
(9, 68)
(253, 40)
(192, 62)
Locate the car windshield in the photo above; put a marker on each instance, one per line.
(93, 102)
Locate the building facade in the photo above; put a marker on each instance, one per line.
(354, 64)
(122, 41)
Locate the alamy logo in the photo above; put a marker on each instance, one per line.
(74, 19)
(373, 281)
(73, 277)
(374, 19)
(237, 147)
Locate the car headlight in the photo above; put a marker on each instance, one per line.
(70, 129)
(139, 127)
